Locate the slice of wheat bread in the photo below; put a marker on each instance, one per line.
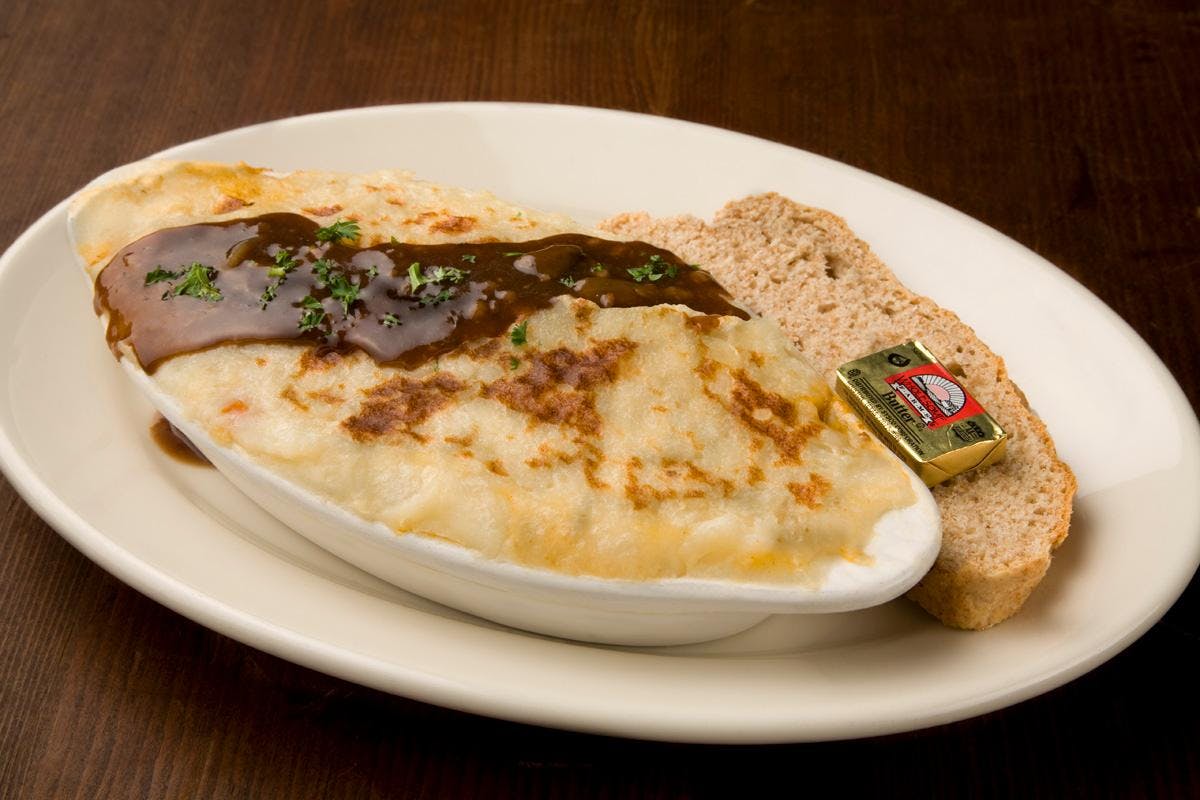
(805, 268)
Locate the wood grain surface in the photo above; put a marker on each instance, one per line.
(1072, 127)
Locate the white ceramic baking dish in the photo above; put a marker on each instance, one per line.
(673, 611)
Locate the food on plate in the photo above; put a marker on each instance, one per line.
(805, 268)
(456, 367)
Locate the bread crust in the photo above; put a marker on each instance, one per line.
(805, 267)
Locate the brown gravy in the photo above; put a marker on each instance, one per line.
(271, 278)
(172, 442)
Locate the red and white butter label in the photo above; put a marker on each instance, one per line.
(936, 397)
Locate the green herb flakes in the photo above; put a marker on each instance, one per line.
(269, 293)
(159, 274)
(195, 280)
(654, 269)
(342, 229)
(449, 275)
(443, 275)
(314, 314)
(343, 290)
(284, 264)
(440, 297)
(322, 267)
(415, 278)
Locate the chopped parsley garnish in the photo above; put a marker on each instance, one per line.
(517, 334)
(567, 281)
(389, 320)
(507, 255)
(414, 276)
(269, 293)
(159, 274)
(342, 229)
(440, 297)
(197, 281)
(342, 290)
(314, 314)
(395, 240)
(598, 267)
(322, 267)
(468, 257)
(513, 362)
(284, 264)
(373, 271)
(654, 269)
(451, 275)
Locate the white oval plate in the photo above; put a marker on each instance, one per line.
(73, 442)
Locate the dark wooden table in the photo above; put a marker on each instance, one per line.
(1074, 130)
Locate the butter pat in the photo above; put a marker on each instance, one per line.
(922, 412)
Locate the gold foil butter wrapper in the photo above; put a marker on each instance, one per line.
(921, 412)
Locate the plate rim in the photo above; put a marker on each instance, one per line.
(399, 678)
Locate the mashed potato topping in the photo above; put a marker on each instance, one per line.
(634, 443)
